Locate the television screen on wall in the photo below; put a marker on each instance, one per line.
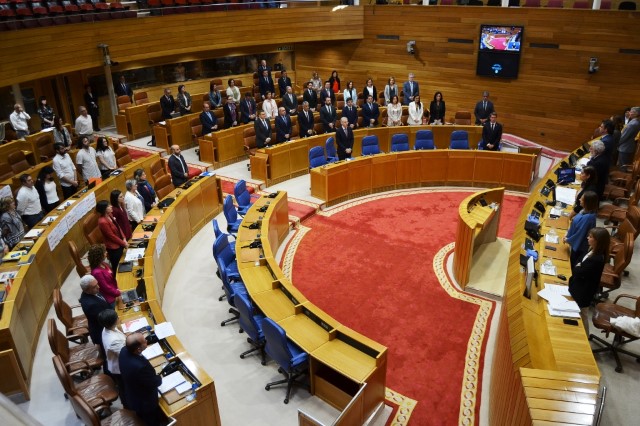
(499, 51)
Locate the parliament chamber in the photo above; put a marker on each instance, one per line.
(555, 102)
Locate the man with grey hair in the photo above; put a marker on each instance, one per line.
(84, 124)
(92, 303)
(19, 120)
(411, 89)
(627, 143)
(600, 162)
(483, 108)
(305, 121)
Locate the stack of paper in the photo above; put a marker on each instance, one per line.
(153, 351)
(553, 239)
(558, 304)
(548, 269)
(34, 233)
(566, 195)
(134, 325)
(171, 381)
(556, 211)
(134, 254)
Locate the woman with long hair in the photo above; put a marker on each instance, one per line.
(105, 157)
(334, 81)
(46, 113)
(61, 134)
(589, 179)
(10, 222)
(101, 271)
(416, 112)
(580, 225)
(390, 90)
(119, 212)
(47, 189)
(437, 109)
(112, 235)
(394, 112)
(350, 93)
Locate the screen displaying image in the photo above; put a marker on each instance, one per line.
(501, 38)
(498, 65)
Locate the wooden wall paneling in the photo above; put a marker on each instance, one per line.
(383, 172)
(461, 166)
(299, 157)
(360, 177)
(434, 168)
(279, 162)
(488, 168)
(408, 169)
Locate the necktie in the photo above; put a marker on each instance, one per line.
(484, 105)
(232, 107)
(291, 98)
(264, 123)
(329, 109)
(493, 127)
(209, 115)
(411, 85)
(249, 107)
(124, 88)
(307, 115)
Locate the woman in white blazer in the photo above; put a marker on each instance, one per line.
(416, 112)
(133, 203)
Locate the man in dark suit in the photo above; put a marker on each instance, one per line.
(328, 116)
(283, 126)
(92, 304)
(607, 139)
(483, 108)
(410, 89)
(350, 112)
(327, 92)
(283, 83)
(167, 104)
(344, 139)
(140, 380)
(248, 108)
(290, 101)
(601, 163)
(208, 120)
(266, 84)
(305, 121)
(370, 113)
(230, 113)
(492, 133)
(91, 101)
(264, 67)
(178, 167)
(262, 127)
(310, 96)
(122, 88)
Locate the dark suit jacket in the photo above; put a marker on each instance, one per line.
(601, 164)
(609, 145)
(262, 133)
(91, 101)
(305, 124)
(177, 173)
(282, 85)
(244, 109)
(168, 106)
(437, 113)
(585, 280)
(261, 70)
(207, 123)
(327, 118)
(327, 94)
(369, 113)
(120, 91)
(140, 382)
(344, 141)
(283, 127)
(482, 113)
(228, 119)
(183, 103)
(266, 86)
(406, 89)
(352, 115)
(148, 194)
(290, 104)
(365, 94)
(92, 306)
(491, 136)
(312, 98)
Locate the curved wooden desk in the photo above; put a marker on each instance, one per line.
(553, 377)
(344, 180)
(477, 225)
(347, 369)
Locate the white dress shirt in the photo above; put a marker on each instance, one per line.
(109, 157)
(112, 342)
(134, 207)
(28, 201)
(270, 107)
(84, 125)
(64, 168)
(19, 121)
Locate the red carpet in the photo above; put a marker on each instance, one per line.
(370, 266)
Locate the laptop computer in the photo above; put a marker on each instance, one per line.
(129, 296)
(566, 175)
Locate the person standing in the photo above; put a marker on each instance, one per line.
(262, 128)
(145, 189)
(46, 113)
(410, 88)
(266, 84)
(327, 92)
(390, 90)
(230, 113)
(19, 120)
(248, 109)
(290, 101)
(437, 109)
(492, 133)
(105, 158)
(86, 160)
(119, 212)
(370, 112)
(305, 121)
(483, 108)
(123, 89)
(283, 83)
(66, 171)
(328, 116)
(178, 167)
(113, 340)
(167, 104)
(208, 121)
(60, 133)
(581, 224)
(92, 303)
(269, 105)
(416, 112)
(184, 100)
(91, 101)
(215, 98)
(28, 202)
(84, 124)
(310, 96)
(601, 164)
(140, 380)
(97, 256)
(283, 126)
(350, 111)
(133, 203)
(47, 189)
(344, 139)
(113, 236)
(627, 144)
(10, 222)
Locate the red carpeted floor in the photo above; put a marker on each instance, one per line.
(371, 267)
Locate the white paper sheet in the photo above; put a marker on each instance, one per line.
(153, 351)
(566, 195)
(134, 254)
(133, 325)
(163, 330)
(171, 381)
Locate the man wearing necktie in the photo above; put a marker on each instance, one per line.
(492, 133)
(370, 113)
(122, 88)
(208, 120)
(167, 104)
(248, 108)
(92, 303)
(350, 112)
(230, 114)
(328, 116)
(178, 167)
(262, 128)
(410, 89)
(266, 84)
(310, 96)
(283, 126)
(483, 108)
(290, 102)
(305, 121)
(283, 83)
(344, 139)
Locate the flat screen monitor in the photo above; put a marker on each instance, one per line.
(501, 38)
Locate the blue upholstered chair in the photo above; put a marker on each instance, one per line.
(217, 232)
(229, 275)
(481, 145)
(292, 360)
(370, 145)
(243, 197)
(399, 142)
(316, 157)
(250, 323)
(230, 213)
(459, 140)
(330, 146)
(424, 140)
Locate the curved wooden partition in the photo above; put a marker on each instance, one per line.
(543, 370)
(344, 180)
(477, 224)
(342, 361)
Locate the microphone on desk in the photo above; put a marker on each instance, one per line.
(263, 208)
(273, 194)
(254, 244)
